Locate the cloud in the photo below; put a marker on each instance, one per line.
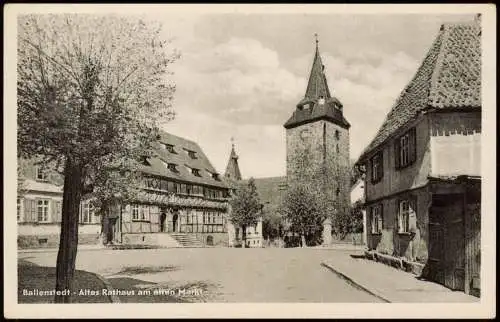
(261, 147)
(240, 81)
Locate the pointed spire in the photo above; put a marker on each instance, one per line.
(232, 168)
(317, 86)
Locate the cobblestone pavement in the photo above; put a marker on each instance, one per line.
(221, 274)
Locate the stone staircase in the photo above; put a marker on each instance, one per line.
(187, 240)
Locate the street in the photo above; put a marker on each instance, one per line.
(221, 274)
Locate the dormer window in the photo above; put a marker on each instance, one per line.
(172, 167)
(170, 148)
(192, 154)
(196, 172)
(215, 176)
(41, 174)
(321, 100)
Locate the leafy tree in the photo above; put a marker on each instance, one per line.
(245, 207)
(92, 92)
(272, 224)
(303, 212)
(351, 222)
(323, 180)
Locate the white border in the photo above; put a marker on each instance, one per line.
(484, 309)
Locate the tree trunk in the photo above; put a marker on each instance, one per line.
(68, 243)
(244, 236)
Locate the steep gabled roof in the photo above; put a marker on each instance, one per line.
(183, 161)
(321, 104)
(232, 168)
(448, 78)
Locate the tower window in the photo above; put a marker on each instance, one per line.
(337, 148)
(337, 134)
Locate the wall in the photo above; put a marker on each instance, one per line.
(338, 162)
(34, 235)
(413, 247)
(413, 176)
(455, 143)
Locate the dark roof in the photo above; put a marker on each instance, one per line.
(270, 190)
(448, 78)
(317, 88)
(184, 162)
(233, 169)
(327, 111)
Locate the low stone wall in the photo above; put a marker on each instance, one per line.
(35, 235)
(396, 262)
(218, 239)
(351, 238)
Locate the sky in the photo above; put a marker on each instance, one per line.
(241, 75)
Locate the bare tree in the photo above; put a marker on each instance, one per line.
(91, 93)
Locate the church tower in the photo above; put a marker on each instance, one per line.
(232, 169)
(317, 137)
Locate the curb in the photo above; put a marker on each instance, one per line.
(113, 298)
(355, 284)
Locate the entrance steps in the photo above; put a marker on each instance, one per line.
(187, 240)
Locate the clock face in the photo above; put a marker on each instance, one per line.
(305, 134)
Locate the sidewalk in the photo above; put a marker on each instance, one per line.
(391, 284)
(342, 246)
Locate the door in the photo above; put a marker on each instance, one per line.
(446, 242)
(436, 245)
(175, 223)
(163, 218)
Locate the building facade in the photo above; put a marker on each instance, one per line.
(317, 139)
(39, 209)
(183, 203)
(254, 238)
(423, 167)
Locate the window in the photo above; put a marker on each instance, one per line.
(337, 148)
(87, 213)
(406, 208)
(170, 148)
(337, 134)
(41, 174)
(377, 167)
(192, 154)
(19, 209)
(377, 219)
(215, 176)
(135, 212)
(196, 172)
(144, 212)
(43, 210)
(172, 167)
(405, 149)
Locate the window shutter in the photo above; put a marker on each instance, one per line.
(381, 162)
(27, 210)
(398, 215)
(381, 218)
(52, 211)
(397, 153)
(413, 145)
(58, 211)
(412, 217)
(35, 212)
